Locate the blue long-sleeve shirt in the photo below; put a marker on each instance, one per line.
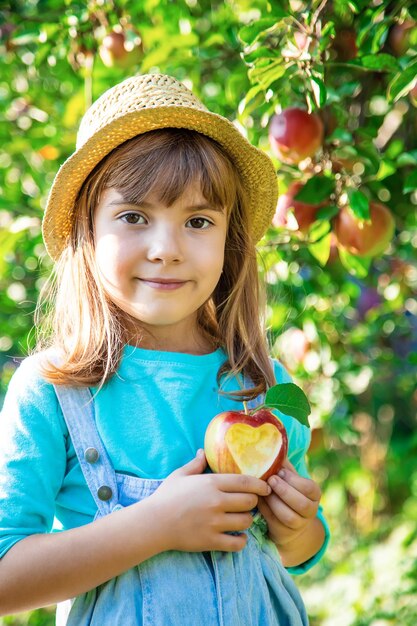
(152, 416)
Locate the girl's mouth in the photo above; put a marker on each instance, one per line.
(164, 284)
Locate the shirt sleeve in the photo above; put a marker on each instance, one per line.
(33, 440)
(299, 437)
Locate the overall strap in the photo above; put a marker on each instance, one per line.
(77, 406)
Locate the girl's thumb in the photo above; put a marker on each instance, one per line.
(196, 465)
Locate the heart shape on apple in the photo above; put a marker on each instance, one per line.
(254, 449)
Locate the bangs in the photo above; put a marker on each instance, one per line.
(166, 162)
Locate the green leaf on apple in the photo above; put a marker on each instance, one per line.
(289, 399)
(359, 203)
(327, 212)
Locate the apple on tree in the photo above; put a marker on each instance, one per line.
(254, 442)
(365, 237)
(304, 213)
(121, 47)
(295, 135)
(402, 36)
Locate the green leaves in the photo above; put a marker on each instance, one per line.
(267, 72)
(410, 183)
(289, 399)
(403, 82)
(316, 189)
(386, 168)
(377, 62)
(359, 203)
(319, 91)
(250, 34)
(357, 266)
(320, 250)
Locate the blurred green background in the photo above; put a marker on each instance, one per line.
(345, 325)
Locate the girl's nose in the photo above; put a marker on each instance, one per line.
(165, 247)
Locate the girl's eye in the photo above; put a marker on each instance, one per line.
(132, 218)
(199, 223)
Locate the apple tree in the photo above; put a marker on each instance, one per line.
(328, 89)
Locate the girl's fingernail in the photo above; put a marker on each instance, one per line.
(281, 473)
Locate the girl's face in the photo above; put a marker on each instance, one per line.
(160, 264)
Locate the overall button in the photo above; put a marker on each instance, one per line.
(91, 455)
(104, 493)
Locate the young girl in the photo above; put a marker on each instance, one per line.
(107, 506)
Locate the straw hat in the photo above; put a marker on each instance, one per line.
(135, 106)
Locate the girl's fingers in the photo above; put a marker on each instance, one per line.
(239, 502)
(290, 496)
(236, 521)
(231, 543)
(305, 486)
(275, 510)
(241, 483)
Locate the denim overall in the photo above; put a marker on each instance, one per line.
(173, 588)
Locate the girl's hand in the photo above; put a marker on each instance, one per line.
(292, 506)
(197, 509)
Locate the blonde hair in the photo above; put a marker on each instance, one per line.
(76, 317)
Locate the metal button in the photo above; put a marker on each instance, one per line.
(91, 455)
(104, 493)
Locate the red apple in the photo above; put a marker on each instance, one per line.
(365, 238)
(400, 35)
(122, 48)
(304, 213)
(295, 135)
(238, 443)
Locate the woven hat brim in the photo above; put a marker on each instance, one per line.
(256, 168)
